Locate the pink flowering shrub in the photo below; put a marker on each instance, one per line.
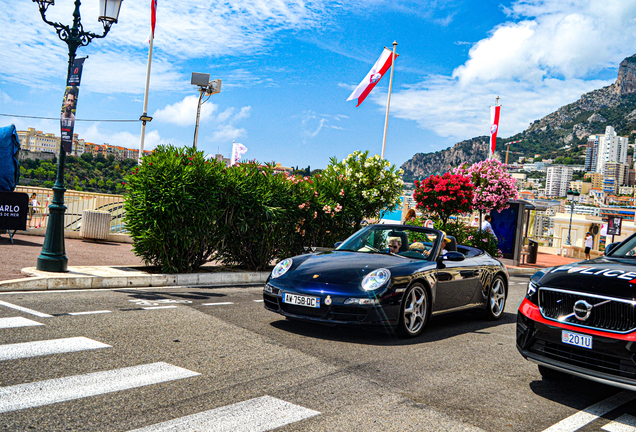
(494, 186)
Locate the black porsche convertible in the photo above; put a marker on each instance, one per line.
(580, 319)
(388, 275)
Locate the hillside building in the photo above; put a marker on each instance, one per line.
(602, 149)
(36, 141)
(558, 181)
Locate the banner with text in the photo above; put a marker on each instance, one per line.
(69, 104)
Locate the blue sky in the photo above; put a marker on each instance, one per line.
(288, 67)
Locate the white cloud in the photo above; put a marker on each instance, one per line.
(553, 38)
(313, 123)
(186, 29)
(184, 113)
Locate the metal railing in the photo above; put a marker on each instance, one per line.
(76, 202)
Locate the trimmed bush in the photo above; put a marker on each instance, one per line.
(172, 208)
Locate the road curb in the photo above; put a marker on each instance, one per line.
(516, 271)
(77, 280)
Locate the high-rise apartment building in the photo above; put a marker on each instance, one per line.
(610, 148)
(558, 180)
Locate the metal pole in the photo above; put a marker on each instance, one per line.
(196, 127)
(568, 242)
(388, 102)
(145, 114)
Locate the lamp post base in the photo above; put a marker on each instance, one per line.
(53, 255)
(58, 264)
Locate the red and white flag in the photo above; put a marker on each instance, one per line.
(494, 127)
(375, 74)
(153, 15)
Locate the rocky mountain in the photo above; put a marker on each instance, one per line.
(569, 126)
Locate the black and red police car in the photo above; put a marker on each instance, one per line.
(580, 319)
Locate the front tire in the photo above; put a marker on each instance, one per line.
(414, 311)
(496, 299)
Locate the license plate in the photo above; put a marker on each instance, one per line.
(576, 339)
(300, 300)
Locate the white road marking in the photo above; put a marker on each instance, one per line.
(47, 347)
(216, 304)
(89, 312)
(591, 413)
(14, 322)
(159, 307)
(47, 392)
(255, 415)
(258, 301)
(25, 310)
(624, 423)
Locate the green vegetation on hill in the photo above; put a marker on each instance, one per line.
(85, 173)
(549, 142)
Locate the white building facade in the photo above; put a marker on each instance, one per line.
(557, 181)
(611, 148)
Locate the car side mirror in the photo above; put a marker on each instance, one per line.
(452, 256)
(337, 244)
(610, 247)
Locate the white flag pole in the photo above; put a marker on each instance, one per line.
(144, 117)
(388, 102)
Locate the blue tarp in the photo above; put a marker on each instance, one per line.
(9, 165)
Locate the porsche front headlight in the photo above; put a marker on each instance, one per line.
(281, 268)
(375, 279)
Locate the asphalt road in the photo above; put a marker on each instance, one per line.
(140, 358)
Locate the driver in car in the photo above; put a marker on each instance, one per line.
(395, 243)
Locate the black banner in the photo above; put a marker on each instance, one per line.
(69, 104)
(614, 225)
(14, 207)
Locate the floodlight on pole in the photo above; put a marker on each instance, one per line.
(206, 87)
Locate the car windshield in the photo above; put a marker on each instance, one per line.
(625, 249)
(410, 242)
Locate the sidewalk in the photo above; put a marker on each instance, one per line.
(95, 265)
(543, 261)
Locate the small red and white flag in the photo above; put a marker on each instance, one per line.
(373, 77)
(153, 15)
(238, 150)
(494, 127)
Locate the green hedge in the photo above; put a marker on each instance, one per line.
(183, 210)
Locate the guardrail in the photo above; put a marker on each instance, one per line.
(76, 202)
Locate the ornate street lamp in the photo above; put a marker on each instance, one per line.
(53, 256)
(573, 197)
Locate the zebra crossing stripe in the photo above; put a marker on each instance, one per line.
(48, 347)
(255, 415)
(47, 392)
(14, 322)
(624, 423)
(25, 310)
(89, 312)
(591, 413)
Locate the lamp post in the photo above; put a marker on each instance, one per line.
(53, 256)
(573, 197)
